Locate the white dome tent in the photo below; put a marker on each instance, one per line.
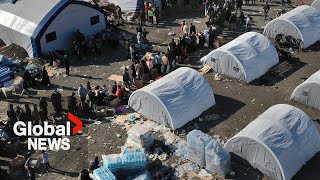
(40, 26)
(175, 99)
(279, 142)
(247, 57)
(316, 4)
(308, 92)
(301, 23)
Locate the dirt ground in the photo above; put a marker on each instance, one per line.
(237, 103)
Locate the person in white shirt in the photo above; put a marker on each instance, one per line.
(248, 23)
(186, 29)
(45, 159)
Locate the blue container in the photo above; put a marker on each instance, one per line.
(103, 173)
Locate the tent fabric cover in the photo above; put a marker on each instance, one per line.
(302, 23)
(23, 22)
(316, 4)
(247, 57)
(308, 92)
(128, 5)
(19, 21)
(279, 142)
(175, 99)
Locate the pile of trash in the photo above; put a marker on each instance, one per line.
(14, 51)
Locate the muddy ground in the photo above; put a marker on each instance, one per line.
(237, 105)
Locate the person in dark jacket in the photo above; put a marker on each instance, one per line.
(192, 29)
(67, 64)
(43, 105)
(142, 18)
(12, 116)
(56, 101)
(72, 104)
(45, 77)
(27, 113)
(114, 88)
(126, 78)
(266, 9)
(35, 115)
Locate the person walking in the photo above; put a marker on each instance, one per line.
(266, 9)
(27, 113)
(126, 79)
(193, 29)
(186, 29)
(66, 64)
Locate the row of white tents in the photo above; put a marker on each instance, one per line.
(251, 55)
(281, 140)
(278, 143)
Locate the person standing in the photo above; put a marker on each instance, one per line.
(150, 14)
(146, 8)
(56, 101)
(27, 113)
(192, 29)
(35, 115)
(144, 34)
(12, 116)
(88, 87)
(266, 9)
(186, 29)
(126, 78)
(66, 64)
(45, 160)
(142, 18)
(114, 88)
(206, 7)
(44, 105)
(157, 14)
(182, 25)
(45, 77)
(132, 52)
(82, 92)
(248, 23)
(72, 104)
(158, 61)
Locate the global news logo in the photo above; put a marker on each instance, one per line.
(48, 137)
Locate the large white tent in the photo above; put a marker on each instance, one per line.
(40, 26)
(128, 5)
(301, 23)
(308, 92)
(279, 142)
(175, 99)
(316, 4)
(247, 57)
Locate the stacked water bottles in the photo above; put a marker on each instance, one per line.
(196, 142)
(103, 173)
(130, 161)
(113, 162)
(205, 152)
(140, 136)
(218, 160)
(133, 159)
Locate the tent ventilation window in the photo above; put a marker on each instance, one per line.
(51, 36)
(236, 69)
(213, 60)
(94, 20)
